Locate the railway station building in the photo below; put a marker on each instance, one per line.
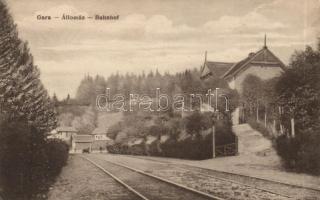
(263, 64)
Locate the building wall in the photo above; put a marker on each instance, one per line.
(99, 145)
(77, 147)
(231, 83)
(100, 137)
(263, 73)
(65, 135)
(235, 116)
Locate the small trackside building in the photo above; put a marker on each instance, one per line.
(101, 140)
(81, 143)
(64, 133)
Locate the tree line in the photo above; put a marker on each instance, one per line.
(185, 83)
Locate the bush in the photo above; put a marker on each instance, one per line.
(152, 149)
(195, 148)
(197, 122)
(301, 154)
(28, 163)
(206, 147)
(171, 148)
(137, 150)
(22, 160)
(188, 138)
(111, 148)
(223, 133)
(287, 149)
(57, 152)
(309, 157)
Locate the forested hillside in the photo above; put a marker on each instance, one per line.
(165, 133)
(187, 82)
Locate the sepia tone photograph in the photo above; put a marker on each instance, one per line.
(159, 99)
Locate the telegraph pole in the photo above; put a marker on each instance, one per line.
(213, 142)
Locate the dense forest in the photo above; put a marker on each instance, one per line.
(185, 83)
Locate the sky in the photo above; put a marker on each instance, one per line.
(168, 35)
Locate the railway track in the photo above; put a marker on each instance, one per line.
(81, 181)
(273, 187)
(147, 186)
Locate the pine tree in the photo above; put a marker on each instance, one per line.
(100, 85)
(55, 99)
(86, 91)
(22, 94)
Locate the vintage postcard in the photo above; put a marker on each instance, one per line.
(159, 99)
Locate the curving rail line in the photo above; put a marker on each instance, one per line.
(117, 179)
(144, 193)
(241, 179)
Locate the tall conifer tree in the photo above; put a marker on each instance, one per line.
(22, 94)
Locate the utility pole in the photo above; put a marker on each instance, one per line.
(292, 128)
(213, 127)
(265, 116)
(281, 126)
(217, 99)
(257, 111)
(213, 142)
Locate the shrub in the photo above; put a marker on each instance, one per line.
(287, 149)
(188, 138)
(309, 156)
(57, 152)
(197, 122)
(27, 162)
(22, 160)
(170, 148)
(223, 133)
(137, 150)
(152, 149)
(301, 154)
(195, 148)
(113, 148)
(206, 147)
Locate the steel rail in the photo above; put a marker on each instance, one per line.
(206, 195)
(235, 175)
(116, 178)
